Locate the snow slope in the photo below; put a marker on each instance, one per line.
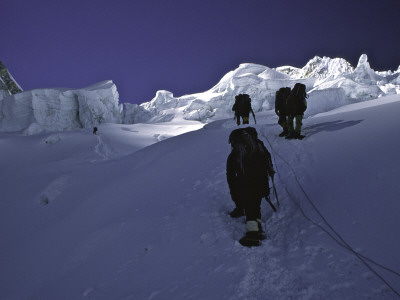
(104, 217)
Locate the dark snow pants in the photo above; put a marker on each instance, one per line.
(283, 121)
(252, 208)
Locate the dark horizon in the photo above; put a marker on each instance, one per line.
(181, 46)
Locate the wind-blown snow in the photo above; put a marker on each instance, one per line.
(103, 216)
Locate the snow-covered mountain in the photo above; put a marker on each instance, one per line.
(330, 83)
(107, 216)
(319, 68)
(8, 86)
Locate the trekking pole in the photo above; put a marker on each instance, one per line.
(276, 194)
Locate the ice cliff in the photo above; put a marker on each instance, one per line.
(61, 109)
(330, 83)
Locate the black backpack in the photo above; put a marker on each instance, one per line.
(299, 90)
(242, 104)
(253, 159)
(280, 99)
(296, 103)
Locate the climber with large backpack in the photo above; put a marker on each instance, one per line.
(296, 105)
(242, 108)
(280, 109)
(248, 169)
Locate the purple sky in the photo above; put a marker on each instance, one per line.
(185, 46)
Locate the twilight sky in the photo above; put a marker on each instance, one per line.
(185, 46)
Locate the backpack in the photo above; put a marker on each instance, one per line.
(253, 159)
(280, 99)
(296, 103)
(299, 90)
(242, 104)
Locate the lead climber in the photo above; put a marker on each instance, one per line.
(242, 108)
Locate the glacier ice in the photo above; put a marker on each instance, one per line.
(61, 109)
(330, 82)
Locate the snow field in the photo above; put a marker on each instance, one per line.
(126, 221)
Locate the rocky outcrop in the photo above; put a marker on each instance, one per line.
(8, 86)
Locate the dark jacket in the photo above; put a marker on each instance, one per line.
(242, 106)
(248, 176)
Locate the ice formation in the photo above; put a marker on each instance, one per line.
(61, 109)
(330, 83)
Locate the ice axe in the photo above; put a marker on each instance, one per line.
(276, 196)
(274, 189)
(270, 203)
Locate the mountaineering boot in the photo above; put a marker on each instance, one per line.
(285, 132)
(237, 212)
(261, 233)
(253, 236)
(291, 135)
(251, 239)
(297, 135)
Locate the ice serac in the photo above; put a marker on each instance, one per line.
(363, 83)
(330, 82)
(258, 81)
(162, 108)
(363, 72)
(61, 108)
(325, 100)
(325, 68)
